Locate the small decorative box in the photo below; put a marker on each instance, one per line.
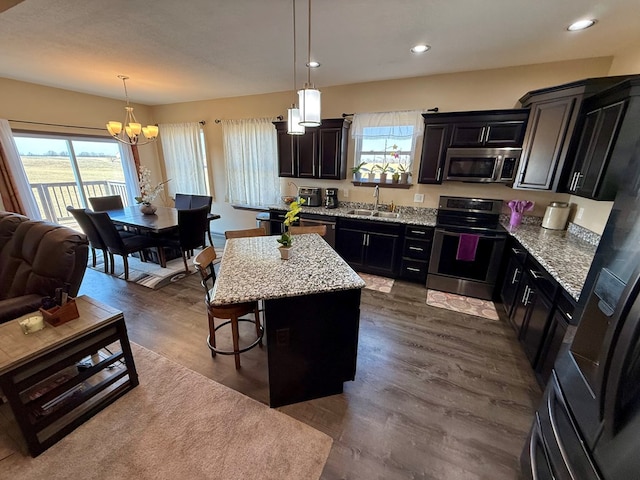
(60, 314)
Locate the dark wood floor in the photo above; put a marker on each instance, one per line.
(437, 395)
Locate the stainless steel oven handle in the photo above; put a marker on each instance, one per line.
(457, 234)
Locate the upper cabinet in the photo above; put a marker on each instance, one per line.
(320, 153)
(608, 127)
(487, 128)
(545, 162)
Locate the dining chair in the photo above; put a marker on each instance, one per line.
(182, 201)
(319, 229)
(204, 263)
(192, 224)
(122, 245)
(200, 201)
(249, 232)
(94, 237)
(109, 202)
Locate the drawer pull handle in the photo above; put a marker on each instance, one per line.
(417, 248)
(517, 251)
(418, 232)
(515, 276)
(536, 275)
(411, 269)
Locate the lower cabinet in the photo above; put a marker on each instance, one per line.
(539, 310)
(371, 247)
(416, 251)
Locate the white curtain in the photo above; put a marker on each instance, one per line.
(403, 124)
(251, 159)
(130, 173)
(14, 163)
(183, 158)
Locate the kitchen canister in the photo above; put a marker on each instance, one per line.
(556, 215)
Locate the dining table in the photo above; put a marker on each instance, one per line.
(164, 220)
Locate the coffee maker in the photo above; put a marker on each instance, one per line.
(331, 198)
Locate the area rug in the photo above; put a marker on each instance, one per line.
(379, 284)
(459, 303)
(178, 424)
(149, 274)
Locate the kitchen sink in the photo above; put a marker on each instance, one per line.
(386, 214)
(362, 212)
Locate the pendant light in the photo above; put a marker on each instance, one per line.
(293, 114)
(309, 97)
(128, 132)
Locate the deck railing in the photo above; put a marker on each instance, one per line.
(53, 198)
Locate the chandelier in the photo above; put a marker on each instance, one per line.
(309, 97)
(129, 131)
(293, 114)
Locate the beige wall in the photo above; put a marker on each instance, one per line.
(478, 90)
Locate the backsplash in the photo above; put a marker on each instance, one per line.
(583, 233)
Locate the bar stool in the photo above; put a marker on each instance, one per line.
(204, 263)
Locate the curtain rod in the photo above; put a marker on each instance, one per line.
(434, 109)
(279, 117)
(54, 124)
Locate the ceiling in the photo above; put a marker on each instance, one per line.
(203, 49)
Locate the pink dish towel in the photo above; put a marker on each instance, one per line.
(467, 247)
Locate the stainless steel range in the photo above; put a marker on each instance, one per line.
(467, 247)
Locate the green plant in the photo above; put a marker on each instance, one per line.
(359, 168)
(290, 217)
(404, 169)
(384, 168)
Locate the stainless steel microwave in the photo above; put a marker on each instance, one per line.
(487, 165)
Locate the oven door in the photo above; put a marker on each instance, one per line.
(475, 275)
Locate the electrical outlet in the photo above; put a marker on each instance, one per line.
(345, 192)
(579, 214)
(418, 198)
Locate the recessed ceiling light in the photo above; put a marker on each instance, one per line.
(420, 48)
(581, 25)
(313, 64)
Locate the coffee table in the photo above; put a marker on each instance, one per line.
(57, 378)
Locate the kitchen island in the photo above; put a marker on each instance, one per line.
(311, 312)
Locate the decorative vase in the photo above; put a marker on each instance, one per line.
(148, 209)
(357, 177)
(285, 252)
(371, 177)
(404, 177)
(383, 178)
(516, 219)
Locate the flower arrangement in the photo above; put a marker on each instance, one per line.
(291, 217)
(148, 193)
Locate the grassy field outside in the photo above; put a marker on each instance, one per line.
(57, 169)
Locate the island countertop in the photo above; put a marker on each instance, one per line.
(251, 269)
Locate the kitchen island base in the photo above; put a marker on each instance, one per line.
(312, 344)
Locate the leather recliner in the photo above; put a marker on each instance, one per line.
(35, 259)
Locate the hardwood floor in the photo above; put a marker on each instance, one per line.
(437, 395)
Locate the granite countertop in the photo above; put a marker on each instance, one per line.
(251, 269)
(565, 256)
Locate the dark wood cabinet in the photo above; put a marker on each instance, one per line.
(487, 128)
(609, 128)
(546, 161)
(320, 153)
(369, 247)
(533, 331)
(416, 251)
(434, 147)
(513, 275)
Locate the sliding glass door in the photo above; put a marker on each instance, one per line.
(64, 171)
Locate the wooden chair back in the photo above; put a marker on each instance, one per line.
(204, 265)
(109, 202)
(250, 232)
(319, 229)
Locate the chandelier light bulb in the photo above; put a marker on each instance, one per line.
(128, 132)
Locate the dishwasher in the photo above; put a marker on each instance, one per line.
(308, 219)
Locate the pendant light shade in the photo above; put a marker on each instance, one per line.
(293, 121)
(129, 131)
(309, 98)
(310, 106)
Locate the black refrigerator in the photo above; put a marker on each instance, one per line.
(588, 426)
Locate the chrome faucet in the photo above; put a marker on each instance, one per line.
(376, 193)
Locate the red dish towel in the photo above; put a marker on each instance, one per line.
(467, 247)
